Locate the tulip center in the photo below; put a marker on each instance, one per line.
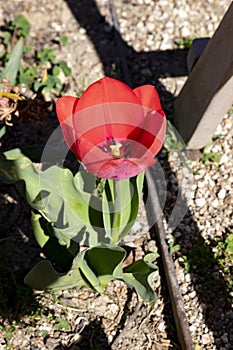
(115, 148)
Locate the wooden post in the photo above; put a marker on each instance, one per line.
(208, 93)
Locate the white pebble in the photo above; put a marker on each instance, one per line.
(206, 339)
(215, 203)
(200, 202)
(161, 326)
(222, 193)
(192, 328)
(185, 32)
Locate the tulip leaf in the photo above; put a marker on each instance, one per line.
(120, 206)
(55, 195)
(60, 254)
(139, 275)
(106, 262)
(43, 276)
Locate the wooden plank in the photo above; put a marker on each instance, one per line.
(208, 93)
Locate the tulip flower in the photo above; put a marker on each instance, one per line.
(113, 130)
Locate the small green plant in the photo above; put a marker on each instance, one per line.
(20, 26)
(184, 43)
(229, 246)
(173, 248)
(209, 156)
(61, 323)
(224, 255)
(64, 40)
(44, 75)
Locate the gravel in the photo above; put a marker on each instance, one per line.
(154, 32)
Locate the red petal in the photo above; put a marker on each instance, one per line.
(108, 120)
(65, 107)
(149, 97)
(149, 135)
(121, 169)
(107, 90)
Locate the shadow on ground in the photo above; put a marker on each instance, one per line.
(18, 252)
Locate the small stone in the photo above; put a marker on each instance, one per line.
(193, 294)
(188, 278)
(150, 26)
(185, 32)
(200, 202)
(192, 328)
(82, 31)
(206, 339)
(182, 14)
(161, 326)
(222, 193)
(215, 203)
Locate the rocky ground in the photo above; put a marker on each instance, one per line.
(155, 35)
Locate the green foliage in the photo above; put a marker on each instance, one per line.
(174, 143)
(64, 40)
(67, 212)
(44, 75)
(95, 267)
(27, 75)
(184, 43)
(208, 258)
(210, 156)
(119, 212)
(61, 323)
(229, 244)
(64, 67)
(173, 248)
(21, 25)
(46, 55)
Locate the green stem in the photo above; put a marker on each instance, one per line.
(117, 213)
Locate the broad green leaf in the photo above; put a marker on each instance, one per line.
(138, 275)
(43, 276)
(55, 195)
(106, 262)
(44, 234)
(90, 277)
(12, 66)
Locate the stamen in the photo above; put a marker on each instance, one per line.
(115, 149)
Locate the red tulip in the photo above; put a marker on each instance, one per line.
(113, 130)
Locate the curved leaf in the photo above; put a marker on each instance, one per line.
(43, 276)
(139, 274)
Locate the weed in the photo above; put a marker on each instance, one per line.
(173, 248)
(61, 323)
(20, 26)
(208, 155)
(184, 43)
(44, 76)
